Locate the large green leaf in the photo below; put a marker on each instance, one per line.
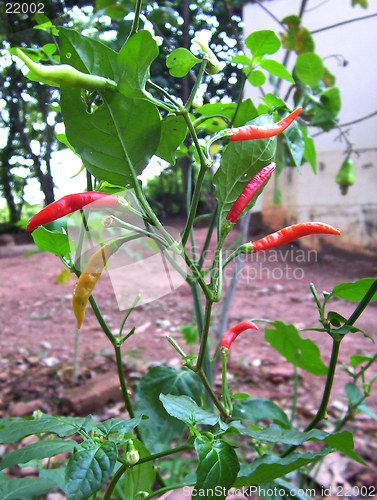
(257, 409)
(161, 428)
(269, 467)
(116, 426)
(276, 69)
(217, 469)
(302, 353)
(185, 409)
(52, 241)
(42, 449)
(11, 432)
(25, 489)
(246, 112)
(173, 133)
(354, 291)
(262, 42)
(295, 142)
(121, 132)
(89, 468)
(135, 58)
(309, 68)
(239, 163)
(328, 109)
(298, 38)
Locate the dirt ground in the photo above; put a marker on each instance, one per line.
(38, 330)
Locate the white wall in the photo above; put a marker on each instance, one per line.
(310, 197)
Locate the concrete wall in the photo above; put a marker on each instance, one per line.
(317, 197)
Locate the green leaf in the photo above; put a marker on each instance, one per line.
(217, 468)
(180, 61)
(277, 69)
(173, 133)
(217, 108)
(241, 59)
(246, 112)
(13, 431)
(362, 3)
(343, 442)
(256, 78)
(135, 58)
(42, 449)
(302, 353)
(310, 152)
(121, 132)
(27, 489)
(354, 291)
(52, 241)
(161, 428)
(269, 467)
(353, 393)
(140, 478)
(273, 101)
(162, 15)
(357, 360)
(295, 142)
(116, 426)
(239, 163)
(328, 108)
(309, 68)
(298, 38)
(257, 409)
(262, 42)
(56, 476)
(89, 469)
(190, 334)
(185, 409)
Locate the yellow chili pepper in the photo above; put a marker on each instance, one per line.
(89, 277)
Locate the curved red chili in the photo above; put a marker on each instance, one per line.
(251, 189)
(291, 233)
(71, 203)
(233, 333)
(248, 132)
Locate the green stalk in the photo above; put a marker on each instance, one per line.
(212, 395)
(165, 93)
(135, 22)
(224, 383)
(208, 238)
(362, 305)
(205, 332)
(199, 278)
(197, 83)
(123, 386)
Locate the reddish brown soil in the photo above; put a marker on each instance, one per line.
(37, 323)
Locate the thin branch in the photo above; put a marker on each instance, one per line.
(358, 120)
(271, 15)
(342, 23)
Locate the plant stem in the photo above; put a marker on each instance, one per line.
(362, 305)
(123, 386)
(135, 22)
(164, 93)
(196, 84)
(205, 332)
(208, 238)
(212, 395)
(342, 23)
(101, 321)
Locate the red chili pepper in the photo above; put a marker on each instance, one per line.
(71, 203)
(292, 233)
(251, 189)
(233, 333)
(248, 132)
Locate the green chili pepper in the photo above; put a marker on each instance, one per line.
(346, 176)
(64, 74)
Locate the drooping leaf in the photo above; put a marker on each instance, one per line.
(217, 469)
(256, 78)
(295, 143)
(269, 467)
(302, 353)
(161, 428)
(185, 409)
(36, 451)
(357, 360)
(89, 468)
(276, 69)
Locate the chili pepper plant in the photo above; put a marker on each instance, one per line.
(128, 120)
